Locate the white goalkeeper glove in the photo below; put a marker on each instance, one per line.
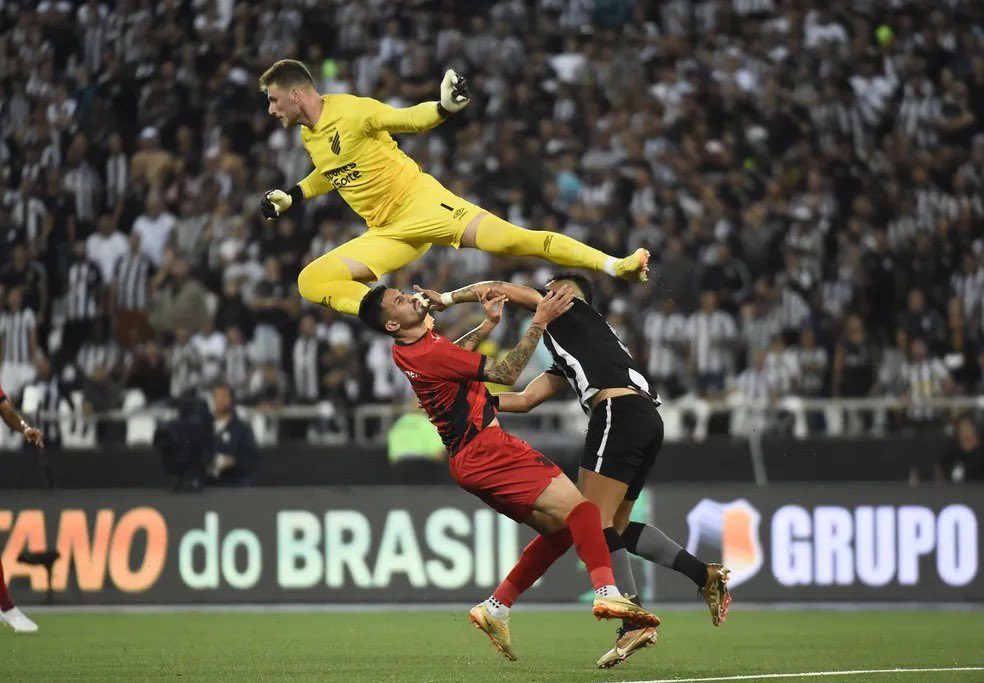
(455, 95)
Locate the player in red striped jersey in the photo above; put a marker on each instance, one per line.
(9, 612)
(504, 471)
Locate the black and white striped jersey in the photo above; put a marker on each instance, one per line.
(307, 378)
(587, 352)
(82, 291)
(16, 328)
(132, 273)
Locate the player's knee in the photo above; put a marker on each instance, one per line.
(621, 521)
(612, 538)
(306, 281)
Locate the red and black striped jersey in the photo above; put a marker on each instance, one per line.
(447, 381)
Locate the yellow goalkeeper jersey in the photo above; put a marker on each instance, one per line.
(353, 152)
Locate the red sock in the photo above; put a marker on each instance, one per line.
(533, 563)
(584, 522)
(5, 602)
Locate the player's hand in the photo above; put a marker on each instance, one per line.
(430, 297)
(553, 305)
(455, 95)
(33, 436)
(274, 203)
(493, 307)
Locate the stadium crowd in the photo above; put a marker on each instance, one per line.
(808, 176)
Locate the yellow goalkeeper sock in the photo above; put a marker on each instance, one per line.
(327, 281)
(497, 236)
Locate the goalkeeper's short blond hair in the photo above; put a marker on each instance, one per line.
(286, 73)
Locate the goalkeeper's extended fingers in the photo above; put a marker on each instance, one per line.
(459, 89)
(267, 207)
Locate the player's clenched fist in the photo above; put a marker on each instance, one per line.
(455, 95)
(274, 203)
(552, 306)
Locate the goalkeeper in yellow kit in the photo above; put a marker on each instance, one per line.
(406, 210)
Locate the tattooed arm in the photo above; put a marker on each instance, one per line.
(507, 370)
(493, 314)
(471, 339)
(527, 297)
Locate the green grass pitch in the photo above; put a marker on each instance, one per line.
(443, 646)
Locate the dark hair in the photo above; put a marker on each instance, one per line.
(582, 282)
(371, 309)
(228, 388)
(286, 73)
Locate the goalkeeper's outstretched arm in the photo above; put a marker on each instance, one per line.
(455, 96)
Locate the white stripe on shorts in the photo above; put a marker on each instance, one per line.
(604, 437)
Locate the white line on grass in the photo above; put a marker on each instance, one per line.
(814, 674)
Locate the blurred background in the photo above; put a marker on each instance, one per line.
(808, 176)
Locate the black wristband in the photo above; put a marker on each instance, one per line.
(495, 400)
(442, 112)
(296, 195)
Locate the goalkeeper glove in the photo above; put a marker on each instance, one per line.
(275, 202)
(455, 95)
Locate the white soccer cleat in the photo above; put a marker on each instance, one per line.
(18, 621)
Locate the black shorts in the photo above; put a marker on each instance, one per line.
(624, 437)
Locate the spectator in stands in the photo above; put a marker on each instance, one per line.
(865, 167)
(101, 367)
(965, 459)
(919, 322)
(728, 278)
(149, 373)
(154, 227)
(52, 395)
(83, 302)
(712, 334)
(30, 276)
(183, 364)
(237, 364)
(210, 344)
(130, 294)
(665, 333)
(105, 247)
(232, 310)
(926, 377)
(306, 361)
(179, 300)
(854, 368)
(272, 305)
(235, 459)
(18, 344)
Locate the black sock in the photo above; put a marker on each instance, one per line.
(687, 564)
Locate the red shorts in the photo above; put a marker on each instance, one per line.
(504, 471)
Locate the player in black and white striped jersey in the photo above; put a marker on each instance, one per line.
(625, 434)
(18, 343)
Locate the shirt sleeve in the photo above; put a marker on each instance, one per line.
(555, 370)
(416, 119)
(455, 363)
(315, 184)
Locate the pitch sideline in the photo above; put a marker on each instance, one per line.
(813, 674)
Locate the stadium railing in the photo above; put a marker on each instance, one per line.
(561, 422)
